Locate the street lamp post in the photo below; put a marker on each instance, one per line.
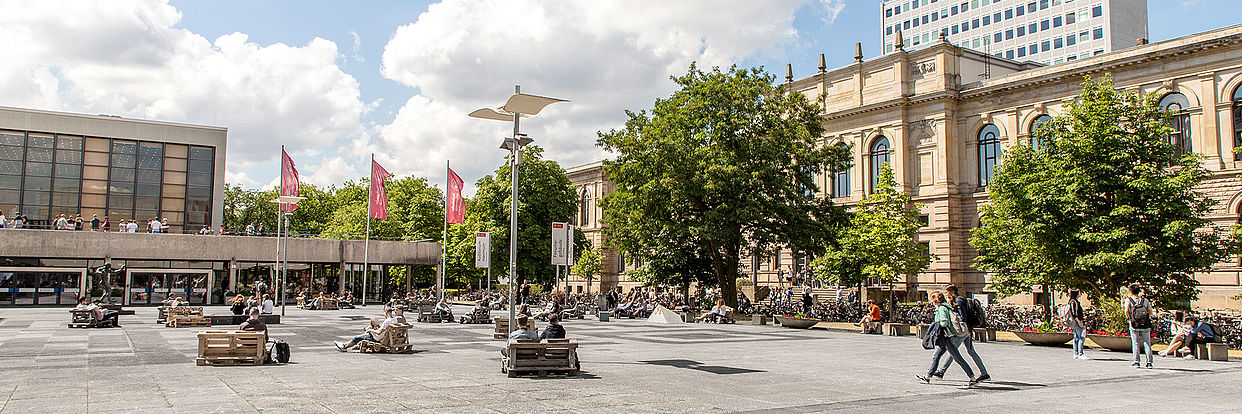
(515, 107)
(282, 252)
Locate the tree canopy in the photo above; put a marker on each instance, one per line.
(727, 162)
(1105, 202)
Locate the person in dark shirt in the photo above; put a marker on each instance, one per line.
(253, 324)
(1200, 333)
(554, 329)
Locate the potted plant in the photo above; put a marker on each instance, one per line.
(1114, 332)
(796, 321)
(1044, 334)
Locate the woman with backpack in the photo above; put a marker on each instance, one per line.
(1138, 313)
(953, 331)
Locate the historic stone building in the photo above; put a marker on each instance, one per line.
(943, 116)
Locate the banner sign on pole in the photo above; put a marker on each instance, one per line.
(559, 248)
(482, 249)
(569, 237)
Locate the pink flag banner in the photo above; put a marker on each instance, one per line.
(455, 209)
(379, 198)
(288, 180)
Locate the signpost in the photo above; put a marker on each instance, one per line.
(483, 254)
(562, 251)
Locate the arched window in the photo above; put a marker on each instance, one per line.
(1237, 120)
(584, 209)
(989, 152)
(1179, 120)
(1037, 144)
(841, 181)
(880, 153)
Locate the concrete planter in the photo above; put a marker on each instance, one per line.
(1045, 338)
(796, 323)
(1111, 343)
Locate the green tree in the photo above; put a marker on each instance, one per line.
(728, 160)
(545, 195)
(589, 265)
(415, 212)
(881, 240)
(1106, 202)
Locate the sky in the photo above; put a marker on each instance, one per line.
(337, 81)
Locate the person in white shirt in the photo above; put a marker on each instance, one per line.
(268, 306)
(132, 227)
(373, 334)
(3, 221)
(153, 226)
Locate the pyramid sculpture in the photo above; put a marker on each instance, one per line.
(664, 315)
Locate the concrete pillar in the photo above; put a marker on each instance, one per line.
(341, 277)
(232, 274)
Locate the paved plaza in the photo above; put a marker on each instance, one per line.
(629, 366)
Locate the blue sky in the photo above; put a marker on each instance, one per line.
(335, 80)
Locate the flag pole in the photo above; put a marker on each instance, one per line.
(444, 241)
(366, 244)
(280, 207)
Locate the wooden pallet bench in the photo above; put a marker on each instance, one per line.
(231, 348)
(182, 321)
(541, 358)
(427, 313)
(87, 319)
(329, 304)
(477, 316)
(396, 339)
(168, 312)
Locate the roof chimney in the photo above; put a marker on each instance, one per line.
(1141, 41)
(789, 72)
(858, 52)
(823, 64)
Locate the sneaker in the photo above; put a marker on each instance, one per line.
(972, 383)
(339, 346)
(983, 378)
(1135, 365)
(1191, 356)
(938, 375)
(1164, 353)
(925, 380)
(1084, 357)
(1149, 365)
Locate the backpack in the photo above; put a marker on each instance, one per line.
(1063, 312)
(280, 352)
(957, 326)
(1140, 314)
(977, 317)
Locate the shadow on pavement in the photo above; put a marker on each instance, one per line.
(698, 366)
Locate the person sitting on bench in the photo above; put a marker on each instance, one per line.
(1178, 329)
(444, 311)
(553, 309)
(1199, 333)
(268, 307)
(870, 322)
(238, 305)
(554, 330)
(373, 334)
(85, 304)
(719, 311)
(173, 301)
(253, 324)
(523, 310)
(523, 332)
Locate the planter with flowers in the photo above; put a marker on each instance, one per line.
(797, 321)
(1044, 334)
(1114, 332)
(1111, 341)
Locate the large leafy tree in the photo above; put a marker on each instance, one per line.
(545, 195)
(881, 241)
(1106, 202)
(727, 162)
(589, 265)
(415, 212)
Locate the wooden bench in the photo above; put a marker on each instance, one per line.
(897, 329)
(427, 313)
(231, 348)
(759, 319)
(502, 328)
(167, 312)
(555, 355)
(301, 302)
(983, 334)
(922, 329)
(477, 316)
(396, 339)
(1212, 351)
(327, 303)
(87, 319)
(181, 321)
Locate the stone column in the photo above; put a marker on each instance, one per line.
(1207, 137)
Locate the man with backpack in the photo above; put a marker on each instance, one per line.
(1138, 313)
(971, 312)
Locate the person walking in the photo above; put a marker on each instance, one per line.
(1074, 319)
(952, 329)
(962, 308)
(1138, 313)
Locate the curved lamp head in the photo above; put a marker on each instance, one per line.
(492, 114)
(527, 104)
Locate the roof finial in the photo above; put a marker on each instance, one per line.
(899, 44)
(823, 64)
(858, 52)
(944, 35)
(789, 72)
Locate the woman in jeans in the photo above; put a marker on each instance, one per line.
(950, 344)
(1077, 324)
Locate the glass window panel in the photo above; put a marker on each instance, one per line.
(174, 191)
(72, 143)
(39, 154)
(196, 219)
(124, 147)
(9, 152)
(145, 216)
(200, 179)
(147, 203)
(121, 188)
(149, 190)
(12, 138)
(40, 141)
(198, 193)
(172, 204)
(123, 174)
(95, 173)
(40, 169)
(153, 163)
(192, 206)
(10, 167)
(67, 184)
(68, 157)
(97, 144)
(10, 182)
(68, 170)
(200, 166)
(95, 186)
(148, 176)
(10, 199)
(65, 199)
(151, 149)
(87, 213)
(117, 214)
(116, 202)
(173, 150)
(172, 177)
(36, 198)
(174, 164)
(93, 200)
(97, 158)
(123, 160)
(173, 216)
(201, 153)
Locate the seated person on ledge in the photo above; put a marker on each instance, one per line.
(523, 311)
(870, 322)
(238, 305)
(720, 310)
(173, 301)
(1178, 329)
(85, 304)
(523, 332)
(444, 310)
(268, 307)
(373, 334)
(1199, 333)
(554, 329)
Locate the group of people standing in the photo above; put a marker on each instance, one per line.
(77, 223)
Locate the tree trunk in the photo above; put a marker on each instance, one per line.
(724, 261)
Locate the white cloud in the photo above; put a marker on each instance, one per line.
(126, 57)
(604, 56)
(831, 8)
